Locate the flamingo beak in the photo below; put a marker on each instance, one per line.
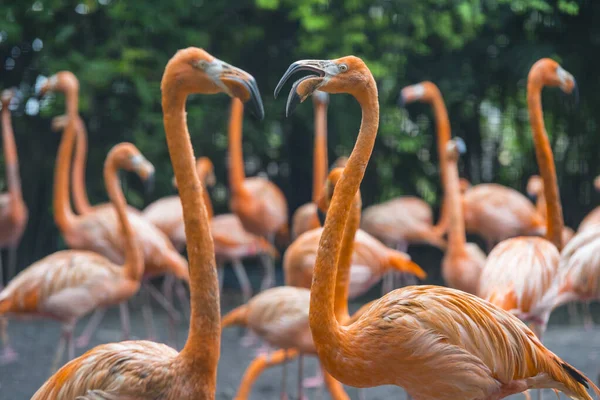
(313, 82)
(238, 83)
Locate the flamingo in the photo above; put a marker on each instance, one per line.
(260, 204)
(371, 260)
(436, 342)
(98, 230)
(535, 189)
(407, 220)
(144, 369)
(69, 284)
(167, 214)
(520, 270)
(305, 217)
(593, 218)
(13, 210)
(463, 262)
(249, 315)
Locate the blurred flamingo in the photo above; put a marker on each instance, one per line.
(167, 213)
(69, 284)
(462, 261)
(13, 210)
(519, 271)
(593, 218)
(260, 204)
(535, 189)
(143, 369)
(98, 230)
(437, 343)
(305, 217)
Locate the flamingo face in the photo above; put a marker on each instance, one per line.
(412, 93)
(343, 75)
(61, 81)
(129, 158)
(194, 70)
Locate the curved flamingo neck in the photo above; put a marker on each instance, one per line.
(323, 323)
(320, 151)
(456, 230)
(442, 123)
(345, 262)
(80, 198)
(545, 159)
(63, 214)
(11, 160)
(134, 263)
(202, 348)
(236, 158)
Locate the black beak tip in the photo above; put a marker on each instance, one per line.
(292, 103)
(321, 215)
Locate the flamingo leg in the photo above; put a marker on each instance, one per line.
(125, 325)
(8, 354)
(183, 298)
(221, 276)
(269, 278)
(242, 278)
(168, 293)
(300, 375)
(147, 315)
(314, 381)
(66, 340)
(2, 273)
(387, 283)
(573, 314)
(88, 332)
(163, 301)
(12, 262)
(256, 368)
(588, 321)
(284, 376)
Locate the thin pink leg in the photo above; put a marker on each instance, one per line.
(168, 293)
(301, 395)
(284, 395)
(147, 315)
(88, 332)
(588, 321)
(66, 341)
(314, 381)
(242, 278)
(8, 355)
(183, 298)
(125, 325)
(573, 314)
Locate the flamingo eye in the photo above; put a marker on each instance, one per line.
(343, 67)
(202, 64)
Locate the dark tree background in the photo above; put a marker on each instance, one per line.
(477, 51)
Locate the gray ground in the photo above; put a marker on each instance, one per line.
(35, 341)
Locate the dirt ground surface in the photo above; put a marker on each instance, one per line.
(36, 341)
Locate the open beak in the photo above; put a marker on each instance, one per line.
(238, 83)
(309, 83)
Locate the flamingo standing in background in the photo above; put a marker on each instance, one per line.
(69, 284)
(243, 315)
(305, 217)
(535, 189)
(408, 220)
(167, 213)
(593, 218)
(98, 230)
(13, 210)
(260, 204)
(463, 262)
(519, 271)
(436, 342)
(143, 369)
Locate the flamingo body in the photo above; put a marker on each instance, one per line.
(167, 215)
(304, 219)
(232, 241)
(371, 259)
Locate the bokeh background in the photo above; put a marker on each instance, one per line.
(477, 51)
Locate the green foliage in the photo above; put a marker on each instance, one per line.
(477, 51)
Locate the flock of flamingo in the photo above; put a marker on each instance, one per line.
(479, 338)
